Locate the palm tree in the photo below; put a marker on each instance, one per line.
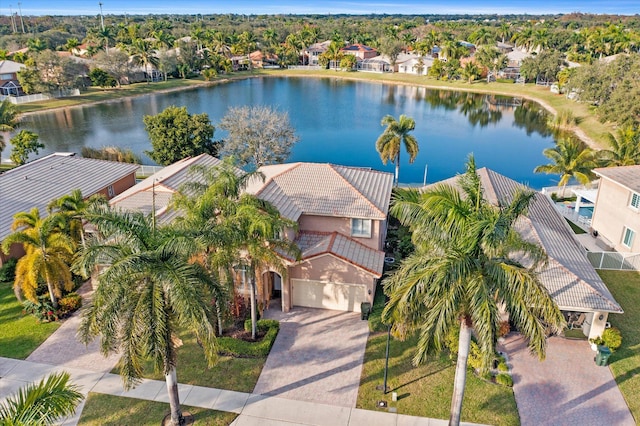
(625, 148)
(72, 207)
(71, 44)
(148, 290)
(42, 403)
(8, 121)
(571, 158)
(482, 36)
(470, 71)
(505, 31)
(396, 134)
(143, 54)
(465, 269)
(48, 253)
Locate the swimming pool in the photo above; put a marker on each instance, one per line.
(586, 211)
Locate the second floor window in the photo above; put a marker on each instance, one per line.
(635, 200)
(361, 228)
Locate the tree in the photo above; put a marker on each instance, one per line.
(71, 44)
(625, 148)
(570, 158)
(391, 47)
(467, 267)
(143, 54)
(396, 134)
(175, 134)
(24, 144)
(258, 135)
(116, 63)
(42, 403)
(8, 120)
(102, 78)
(48, 254)
(470, 71)
(148, 290)
(547, 65)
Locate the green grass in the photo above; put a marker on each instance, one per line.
(426, 390)
(236, 374)
(103, 410)
(19, 334)
(625, 362)
(576, 229)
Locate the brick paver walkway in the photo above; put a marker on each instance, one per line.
(316, 357)
(567, 388)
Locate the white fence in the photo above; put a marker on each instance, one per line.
(614, 260)
(18, 100)
(146, 171)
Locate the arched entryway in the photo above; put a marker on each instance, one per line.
(272, 290)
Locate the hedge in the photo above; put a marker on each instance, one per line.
(241, 349)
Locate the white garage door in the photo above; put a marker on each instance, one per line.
(317, 294)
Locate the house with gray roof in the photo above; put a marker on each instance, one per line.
(568, 276)
(37, 183)
(616, 214)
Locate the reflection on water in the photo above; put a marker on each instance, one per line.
(338, 121)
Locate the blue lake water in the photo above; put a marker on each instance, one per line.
(338, 121)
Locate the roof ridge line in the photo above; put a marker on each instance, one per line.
(333, 168)
(272, 178)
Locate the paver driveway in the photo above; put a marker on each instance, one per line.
(316, 357)
(567, 388)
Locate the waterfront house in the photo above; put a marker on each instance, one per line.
(37, 183)
(9, 84)
(360, 51)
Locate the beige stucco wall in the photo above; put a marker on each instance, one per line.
(343, 226)
(612, 213)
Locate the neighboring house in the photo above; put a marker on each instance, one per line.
(516, 57)
(375, 64)
(616, 215)
(409, 63)
(342, 225)
(37, 183)
(568, 276)
(312, 53)
(360, 51)
(155, 192)
(9, 84)
(261, 60)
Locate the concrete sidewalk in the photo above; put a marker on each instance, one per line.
(253, 409)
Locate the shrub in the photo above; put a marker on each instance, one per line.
(504, 380)
(241, 349)
(475, 357)
(262, 325)
(504, 328)
(43, 310)
(71, 302)
(502, 365)
(8, 271)
(612, 338)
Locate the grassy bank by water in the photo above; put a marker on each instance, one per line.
(589, 128)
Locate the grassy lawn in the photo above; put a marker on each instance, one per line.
(19, 334)
(576, 229)
(236, 374)
(426, 390)
(625, 362)
(116, 410)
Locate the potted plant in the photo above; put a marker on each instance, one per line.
(595, 342)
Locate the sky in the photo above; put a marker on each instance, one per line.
(136, 7)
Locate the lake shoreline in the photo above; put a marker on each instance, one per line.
(341, 76)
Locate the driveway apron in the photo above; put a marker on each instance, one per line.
(316, 357)
(567, 388)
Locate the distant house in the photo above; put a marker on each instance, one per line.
(616, 214)
(9, 84)
(312, 53)
(409, 63)
(262, 60)
(37, 183)
(568, 276)
(375, 64)
(360, 51)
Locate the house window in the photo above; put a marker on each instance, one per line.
(628, 236)
(361, 228)
(110, 191)
(635, 200)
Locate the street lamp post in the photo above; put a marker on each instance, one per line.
(386, 360)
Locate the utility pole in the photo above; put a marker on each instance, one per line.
(101, 16)
(21, 21)
(13, 20)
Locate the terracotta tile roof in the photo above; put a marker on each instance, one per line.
(37, 183)
(325, 190)
(569, 276)
(313, 244)
(627, 176)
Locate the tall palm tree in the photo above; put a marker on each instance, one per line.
(465, 269)
(570, 158)
(71, 207)
(396, 134)
(143, 54)
(625, 148)
(470, 71)
(8, 121)
(148, 289)
(48, 254)
(42, 403)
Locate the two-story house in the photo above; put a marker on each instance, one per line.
(9, 84)
(616, 215)
(341, 214)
